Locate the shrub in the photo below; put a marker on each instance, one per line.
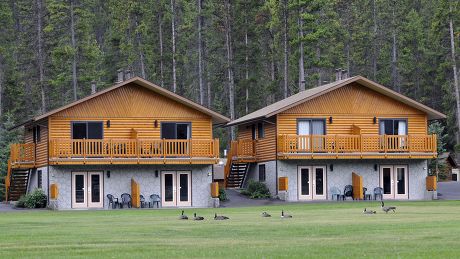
(256, 190)
(222, 195)
(35, 199)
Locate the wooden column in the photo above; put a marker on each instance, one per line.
(357, 183)
(135, 192)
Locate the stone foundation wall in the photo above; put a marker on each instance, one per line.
(120, 181)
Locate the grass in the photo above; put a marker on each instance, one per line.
(340, 230)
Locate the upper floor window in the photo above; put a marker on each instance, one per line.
(87, 130)
(311, 127)
(260, 130)
(393, 126)
(36, 131)
(175, 130)
(253, 132)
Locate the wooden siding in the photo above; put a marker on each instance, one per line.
(352, 105)
(131, 108)
(266, 146)
(41, 148)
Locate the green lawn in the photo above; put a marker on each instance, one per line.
(418, 229)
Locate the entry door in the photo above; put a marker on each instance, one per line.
(79, 190)
(312, 182)
(401, 183)
(95, 195)
(176, 188)
(87, 190)
(394, 181)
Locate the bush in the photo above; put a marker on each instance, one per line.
(256, 190)
(222, 195)
(35, 199)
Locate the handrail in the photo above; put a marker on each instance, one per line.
(357, 143)
(239, 149)
(133, 148)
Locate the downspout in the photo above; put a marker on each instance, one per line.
(276, 153)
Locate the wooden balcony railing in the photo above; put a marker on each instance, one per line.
(242, 150)
(363, 145)
(128, 149)
(22, 155)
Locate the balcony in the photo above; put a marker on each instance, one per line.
(356, 146)
(133, 151)
(243, 150)
(22, 156)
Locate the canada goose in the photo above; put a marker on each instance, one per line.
(365, 211)
(265, 215)
(388, 208)
(195, 217)
(220, 217)
(285, 215)
(182, 216)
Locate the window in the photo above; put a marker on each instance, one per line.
(36, 134)
(39, 179)
(174, 130)
(261, 173)
(393, 127)
(311, 127)
(87, 130)
(260, 130)
(253, 132)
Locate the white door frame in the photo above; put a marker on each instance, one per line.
(85, 195)
(165, 203)
(313, 174)
(87, 203)
(394, 182)
(404, 195)
(188, 202)
(176, 189)
(392, 189)
(92, 204)
(311, 183)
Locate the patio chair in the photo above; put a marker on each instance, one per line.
(378, 191)
(348, 192)
(154, 198)
(112, 201)
(336, 193)
(367, 196)
(125, 199)
(142, 200)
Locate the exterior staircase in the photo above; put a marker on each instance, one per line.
(16, 183)
(237, 175)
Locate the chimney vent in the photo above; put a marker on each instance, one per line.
(338, 74)
(119, 76)
(93, 87)
(344, 74)
(127, 74)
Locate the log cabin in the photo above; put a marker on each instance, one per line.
(353, 131)
(134, 137)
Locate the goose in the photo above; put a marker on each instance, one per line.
(195, 217)
(265, 215)
(182, 216)
(220, 217)
(285, 215)
(388, 208)
(365, 211)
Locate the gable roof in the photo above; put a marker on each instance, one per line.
(216, 117)
(309, 94)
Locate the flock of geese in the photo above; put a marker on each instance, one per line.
(385, 209)
(265, 214)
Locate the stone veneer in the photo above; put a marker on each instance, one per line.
(33, 180)
(342, 170)
(270, 175)
(120, 181)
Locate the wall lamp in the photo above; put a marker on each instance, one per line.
(108, 174)
(376, 167)
(331, 167)
(155, 123)
(330, 119)
(156, 173)
(108, 123)
(375, 120)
